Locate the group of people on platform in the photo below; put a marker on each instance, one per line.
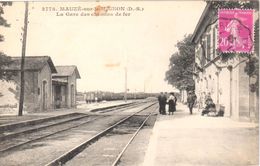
(171, 101)
(210, 108)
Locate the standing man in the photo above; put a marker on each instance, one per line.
(160, 102)
(191, 100)
(164, 101)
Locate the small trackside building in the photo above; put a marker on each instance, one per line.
(38, 82)
(64, 86)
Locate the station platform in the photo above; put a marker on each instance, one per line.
(6, 119)
(194, 140)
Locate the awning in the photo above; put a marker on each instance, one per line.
(59, 81)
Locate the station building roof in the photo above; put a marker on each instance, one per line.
(34, 63)
(66, 71)
(199, 27)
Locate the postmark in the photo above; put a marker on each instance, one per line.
(235, 30)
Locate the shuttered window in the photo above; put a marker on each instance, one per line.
(208, 48)
(203, 59)
(214, 42)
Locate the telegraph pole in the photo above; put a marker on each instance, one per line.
(21, 100)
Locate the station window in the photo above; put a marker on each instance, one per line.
(203, 56)
(208, 47)
(214, 42)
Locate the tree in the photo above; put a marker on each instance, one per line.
(180, 73)
(4, 59)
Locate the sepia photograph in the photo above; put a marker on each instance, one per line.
(130, 83)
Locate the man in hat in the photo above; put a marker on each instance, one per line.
(164, 102)
(191, 100)
(160, 100)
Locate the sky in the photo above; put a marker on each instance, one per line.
(104, 47)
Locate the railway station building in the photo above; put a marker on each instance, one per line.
(64, 86)
(38, 83)
(226, 82)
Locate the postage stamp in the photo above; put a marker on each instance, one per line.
(236, 30)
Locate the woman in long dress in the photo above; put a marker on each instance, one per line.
(172, 103)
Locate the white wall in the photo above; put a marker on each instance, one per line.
(72, 81)
(45, 74)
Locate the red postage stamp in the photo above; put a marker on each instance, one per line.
(236, 31)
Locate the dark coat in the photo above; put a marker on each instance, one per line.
(172, 103)
(191, 100)
(163, 100)
(160, 99)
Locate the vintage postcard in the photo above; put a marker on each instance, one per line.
(144, 82)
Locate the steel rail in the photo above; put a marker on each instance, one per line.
(45, 136)
(39, 128)
(113, 107)
(132, 138)
(119, 108)
(123, 107)
(9, 126)
(76, 150)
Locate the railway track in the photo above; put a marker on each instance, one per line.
(37, 127)
(33, 135)
(117, 160)
(132, 123)
(119, 108)
(22, 136)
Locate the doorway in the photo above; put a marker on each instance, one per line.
(58, 97)
(72, 95)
